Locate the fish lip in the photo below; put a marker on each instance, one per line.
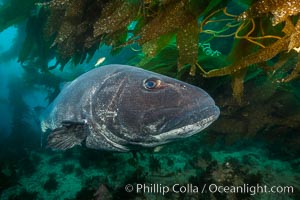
(192, 128)
(208, 111)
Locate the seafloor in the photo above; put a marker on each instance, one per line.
(79, 174)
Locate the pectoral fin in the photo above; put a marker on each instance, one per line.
(67, 136)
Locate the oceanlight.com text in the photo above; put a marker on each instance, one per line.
(207, 188)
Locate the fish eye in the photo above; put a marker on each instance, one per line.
(151, 83)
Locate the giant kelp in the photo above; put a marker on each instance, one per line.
(72, 30)
(273, 35)
(255, 50)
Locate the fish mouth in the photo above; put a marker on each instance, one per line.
(189, 124)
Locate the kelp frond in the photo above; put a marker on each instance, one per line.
(270, 45)
(73, 30)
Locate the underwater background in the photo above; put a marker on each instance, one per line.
(245, 54)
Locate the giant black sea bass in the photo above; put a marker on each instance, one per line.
(120, 108)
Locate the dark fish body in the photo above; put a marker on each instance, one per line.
(119, 108)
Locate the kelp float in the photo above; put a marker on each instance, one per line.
(74, 29)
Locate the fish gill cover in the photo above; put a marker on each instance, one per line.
(245, 54)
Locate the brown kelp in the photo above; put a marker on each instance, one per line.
(73, 30)
(271, 28)
(68, 30)
(239, 51)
